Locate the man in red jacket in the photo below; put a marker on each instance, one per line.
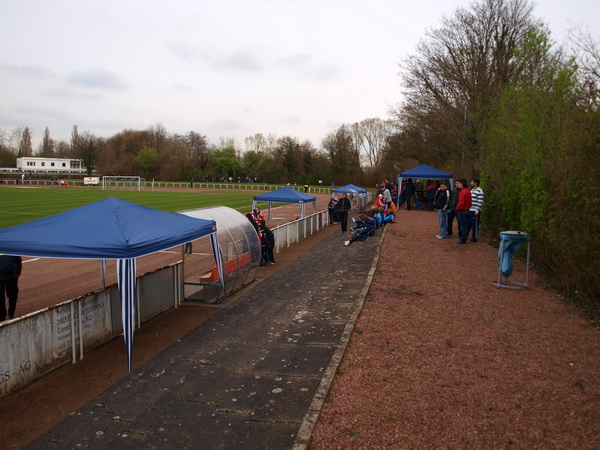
(462, 211)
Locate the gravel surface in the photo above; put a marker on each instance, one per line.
(441, 358)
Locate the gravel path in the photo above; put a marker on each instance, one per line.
(440, 358)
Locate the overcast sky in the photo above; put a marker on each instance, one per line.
(229, 69)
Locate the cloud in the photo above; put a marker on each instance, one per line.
(302, 64)
(97, 79)
(36, 71)
(180, 87)
(67, 93)
(225, 125)
(322, 72)
(240, 60)
(181, 51)
(292, 119)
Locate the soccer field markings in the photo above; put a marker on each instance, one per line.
(21, 212)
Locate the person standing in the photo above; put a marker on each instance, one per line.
(344, 207)
(10, 271)
(409, 193)
(475, 210)
(431, 190)
(387, 196)
(462, 211)
(452, 209)
(270, 242)
(442, 203)
(333, 210)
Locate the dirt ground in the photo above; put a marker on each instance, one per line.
(441, 358)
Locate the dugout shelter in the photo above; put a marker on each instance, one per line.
(240, 255)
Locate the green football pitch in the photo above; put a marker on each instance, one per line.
(19, 205)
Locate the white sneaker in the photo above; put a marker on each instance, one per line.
(347, 243)
(353, 219)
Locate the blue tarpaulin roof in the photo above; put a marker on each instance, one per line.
(427, 172)
(350, 189)
(285, 195)
(106, 229)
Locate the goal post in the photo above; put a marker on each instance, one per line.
(130, 183)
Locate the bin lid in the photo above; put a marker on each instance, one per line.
(513, 233)
(514, 236)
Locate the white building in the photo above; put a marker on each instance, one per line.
(62, 165)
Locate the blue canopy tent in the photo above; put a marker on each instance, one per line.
(286, 195)
(350, 188)
(109, 229)
(359, 196)
(426, 172)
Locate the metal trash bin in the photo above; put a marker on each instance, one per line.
(510, 243)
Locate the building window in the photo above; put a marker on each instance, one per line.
(43, 164)
(64, 164)
(51, 164)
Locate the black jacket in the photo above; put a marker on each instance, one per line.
(344, 204)
(10, 267)
(442, 199)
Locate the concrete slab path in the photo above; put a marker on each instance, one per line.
(252, 376)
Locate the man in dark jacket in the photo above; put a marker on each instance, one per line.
(10, 270)
(270, 237)
(452, 209)
(344, 207)
(442, 203)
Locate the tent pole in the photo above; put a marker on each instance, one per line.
(80, 330)
(73, 349)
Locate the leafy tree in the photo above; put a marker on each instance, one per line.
(542, 163)
(147, 158)
(343, 155)
(253, 162)
(224, 162)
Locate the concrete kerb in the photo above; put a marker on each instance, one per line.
(312, 416)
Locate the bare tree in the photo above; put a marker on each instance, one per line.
(370, 136)
(25, 146)
(46, 149)
(459, 72)
(74, 139)
(89, 148)
(257, 143)
(587, 53)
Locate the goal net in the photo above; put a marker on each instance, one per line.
(127, 183)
